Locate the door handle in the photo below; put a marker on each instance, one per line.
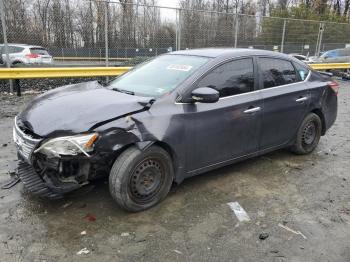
(252, 110)
(301, 99)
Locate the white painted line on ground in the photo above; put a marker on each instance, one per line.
(239, 211)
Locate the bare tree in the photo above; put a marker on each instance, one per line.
(41, 8)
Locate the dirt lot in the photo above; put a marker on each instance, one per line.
(309, 194)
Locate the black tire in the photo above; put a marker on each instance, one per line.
(16, 63)
(308, 136)
(141, 179)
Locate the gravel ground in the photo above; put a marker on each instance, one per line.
(279, 191)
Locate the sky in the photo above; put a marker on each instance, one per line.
(168, 14)
(168, 3)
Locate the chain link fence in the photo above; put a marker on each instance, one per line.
(113, 33)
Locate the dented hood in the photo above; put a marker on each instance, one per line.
(77, 108)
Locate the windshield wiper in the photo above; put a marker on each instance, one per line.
(123, 91)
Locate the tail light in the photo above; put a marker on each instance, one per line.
(32, 56)
(335, 86)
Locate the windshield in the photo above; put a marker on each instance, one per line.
(158, 76)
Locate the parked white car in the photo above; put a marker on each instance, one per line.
(25, 54)
(299, 57)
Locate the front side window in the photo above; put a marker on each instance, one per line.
(232, 78)
(159, 75)
(11, 49)
(276, 72)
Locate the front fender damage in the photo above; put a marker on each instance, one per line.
(62, 174)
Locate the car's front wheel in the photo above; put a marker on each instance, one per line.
(308, 135)
(140, 179)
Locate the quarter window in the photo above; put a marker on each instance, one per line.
(232, 78)
(302, 71)
(344, 52)
(276, 72)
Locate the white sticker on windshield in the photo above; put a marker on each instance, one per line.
(185, 68)
(160, 90)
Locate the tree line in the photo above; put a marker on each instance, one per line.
(138, 24)
(81, 23)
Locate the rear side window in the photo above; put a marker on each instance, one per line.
(301, 58)
(276, 72)
(344, 52)
(39, 51)
(232, 78)
(15, 49)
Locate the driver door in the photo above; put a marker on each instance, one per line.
(228, 129)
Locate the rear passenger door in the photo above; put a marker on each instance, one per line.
(285, 96)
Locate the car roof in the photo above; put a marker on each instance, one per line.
(338, 49)
(229, 52)
(23, 45)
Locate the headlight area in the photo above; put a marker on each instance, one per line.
(68, 145)
(64, 162)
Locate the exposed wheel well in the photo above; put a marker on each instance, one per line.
(170, 151)
(163, 145)
(318, 112)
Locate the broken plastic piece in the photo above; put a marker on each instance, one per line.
(263, 236)
(12, 182)
(291, 230)
(83, 251)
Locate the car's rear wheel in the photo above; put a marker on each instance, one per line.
(140, 179)
(308, 135)
(17, 63)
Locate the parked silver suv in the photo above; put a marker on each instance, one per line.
(25, 54)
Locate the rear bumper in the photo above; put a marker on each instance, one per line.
(330, 109)
(39, 61)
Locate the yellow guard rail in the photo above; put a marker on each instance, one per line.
(62, 72)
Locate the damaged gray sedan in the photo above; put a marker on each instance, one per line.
(175, 116)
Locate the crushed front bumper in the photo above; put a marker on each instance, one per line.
(34, 183)
(42, 175)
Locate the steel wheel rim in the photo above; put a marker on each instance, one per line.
(309, 133)
(146, 180)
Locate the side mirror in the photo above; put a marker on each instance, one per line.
(205, 95)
